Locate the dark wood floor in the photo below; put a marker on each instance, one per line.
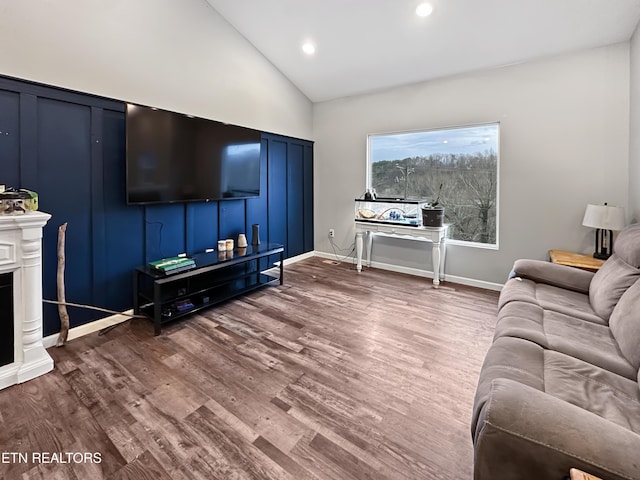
(335, 375)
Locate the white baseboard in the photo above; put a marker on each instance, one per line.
(87, 328)
(290, 261)
(297, 258)
(472, 282)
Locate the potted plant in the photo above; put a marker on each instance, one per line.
(433, 212)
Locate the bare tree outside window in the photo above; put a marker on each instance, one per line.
(463, 159)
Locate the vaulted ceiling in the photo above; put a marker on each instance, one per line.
(369, 45)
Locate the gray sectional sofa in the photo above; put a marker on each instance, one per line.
(559, 384)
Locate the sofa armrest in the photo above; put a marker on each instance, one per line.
(561, 276)
(525, 433)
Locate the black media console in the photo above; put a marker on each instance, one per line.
(217, 276)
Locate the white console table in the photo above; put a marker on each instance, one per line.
(435, 235)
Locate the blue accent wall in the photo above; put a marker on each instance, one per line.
(70, 148)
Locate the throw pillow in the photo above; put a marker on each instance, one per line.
(626, 245)
(625, 324)
(609, 283)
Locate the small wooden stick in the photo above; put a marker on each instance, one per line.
(62, 309)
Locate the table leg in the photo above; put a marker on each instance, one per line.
(136, 301)
(369, 243)
(359, 251)
(443, 256)
(157, 310)
(435, 254)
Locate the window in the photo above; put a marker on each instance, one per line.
(461, 163)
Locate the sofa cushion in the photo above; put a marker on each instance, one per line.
(538, 413)
(593, 389)
(609, 283)
(549, 297)
(526, 434)
(625, 324)
(512, 358)
(567, 302)
(591, 342)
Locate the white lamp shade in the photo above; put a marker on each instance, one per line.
(606, 217)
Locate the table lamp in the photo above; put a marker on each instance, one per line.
(604, 218)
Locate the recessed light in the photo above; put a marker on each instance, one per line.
(309, 48)
(424, 10)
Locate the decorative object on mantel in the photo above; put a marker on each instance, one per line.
(17, 201)
(433, 212)
(604, 218)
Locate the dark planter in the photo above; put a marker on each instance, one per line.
(432, 216)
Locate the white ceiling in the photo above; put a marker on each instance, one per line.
(368, 45)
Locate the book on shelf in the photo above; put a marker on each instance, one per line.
(172, 265)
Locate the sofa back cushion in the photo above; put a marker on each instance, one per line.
(609, 283)
(625, 324)
(617, 274)
(627, 245)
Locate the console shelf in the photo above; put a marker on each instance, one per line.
(215, 278)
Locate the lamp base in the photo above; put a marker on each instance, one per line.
(604, 244)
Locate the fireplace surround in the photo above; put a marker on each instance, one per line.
(21, 273)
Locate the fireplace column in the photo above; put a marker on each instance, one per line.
(21, 255)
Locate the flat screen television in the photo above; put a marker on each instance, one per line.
(173, 157)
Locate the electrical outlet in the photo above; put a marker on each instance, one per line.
(332, 233)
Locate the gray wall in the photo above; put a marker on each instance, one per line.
(177, 55)
(564, 143)
(634, 144)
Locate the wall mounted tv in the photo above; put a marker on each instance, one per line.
(173, 157)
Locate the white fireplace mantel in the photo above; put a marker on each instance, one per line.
(21, 254)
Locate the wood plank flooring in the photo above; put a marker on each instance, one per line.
(334, 375)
